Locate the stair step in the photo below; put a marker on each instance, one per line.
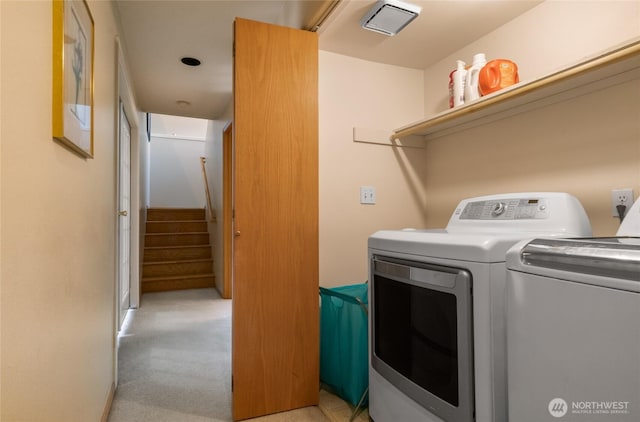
(176, 239)
(176, 268)
(161, 284)
(184, 226)
(173, 214)
(176, 253)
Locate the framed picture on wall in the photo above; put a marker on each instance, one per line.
(73, 52)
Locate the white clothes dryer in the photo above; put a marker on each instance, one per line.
(436, 297)
(573, 328)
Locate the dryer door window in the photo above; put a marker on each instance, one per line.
(422, 334)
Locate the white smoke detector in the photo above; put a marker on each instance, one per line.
(389, 16)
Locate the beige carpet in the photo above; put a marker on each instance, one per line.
(174, 365)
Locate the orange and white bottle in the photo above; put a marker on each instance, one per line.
(497, 74)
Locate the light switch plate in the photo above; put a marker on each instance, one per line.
(367, 195)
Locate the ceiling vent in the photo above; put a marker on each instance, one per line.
(389, 16)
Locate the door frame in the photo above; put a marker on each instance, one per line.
(123, 208)
(123, 93)
(136, 121)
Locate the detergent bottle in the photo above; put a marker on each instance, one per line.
(459, 77)
(471, 90)
(451, 88)
(497, 74)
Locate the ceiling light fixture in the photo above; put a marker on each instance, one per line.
(389, 16)
(190, 61)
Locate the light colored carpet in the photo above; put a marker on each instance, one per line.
(174, 364)
(174, 360)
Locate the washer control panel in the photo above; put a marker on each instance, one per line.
(506, 209)
(539, 212)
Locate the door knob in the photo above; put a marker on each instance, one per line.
(123, 213)
(237, 233)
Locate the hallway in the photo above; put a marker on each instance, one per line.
(174, 364)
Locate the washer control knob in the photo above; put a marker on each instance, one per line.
(498, 209)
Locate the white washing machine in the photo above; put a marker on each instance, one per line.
(436, 303)
(573, 328)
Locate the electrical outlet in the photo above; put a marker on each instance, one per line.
(367, 195)
(621, 197)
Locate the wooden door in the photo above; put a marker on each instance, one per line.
(275, 358)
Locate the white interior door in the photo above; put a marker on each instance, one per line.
(124, 215)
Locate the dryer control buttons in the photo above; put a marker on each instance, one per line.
(498, 209)
(505, 209)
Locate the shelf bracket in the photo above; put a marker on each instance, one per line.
(387, 137)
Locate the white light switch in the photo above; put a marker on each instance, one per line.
(367, 195)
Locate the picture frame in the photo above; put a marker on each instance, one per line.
(73, 61)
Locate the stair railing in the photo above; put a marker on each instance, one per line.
(212, 215)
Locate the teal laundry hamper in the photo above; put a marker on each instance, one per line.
(344, 358)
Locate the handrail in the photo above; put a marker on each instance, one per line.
(212, 215)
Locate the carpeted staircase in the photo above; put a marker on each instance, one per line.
(177, 252)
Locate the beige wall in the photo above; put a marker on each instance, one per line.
(586, 146)
(546, 38)
(58, 230)
(357, 93)
(175, 174)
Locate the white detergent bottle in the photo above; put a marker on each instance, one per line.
(471, 90)
(459, 77)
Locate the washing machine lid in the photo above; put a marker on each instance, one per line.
(472, 247)
(608, 261)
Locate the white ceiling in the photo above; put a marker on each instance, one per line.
(157, 33)
(443, 27)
